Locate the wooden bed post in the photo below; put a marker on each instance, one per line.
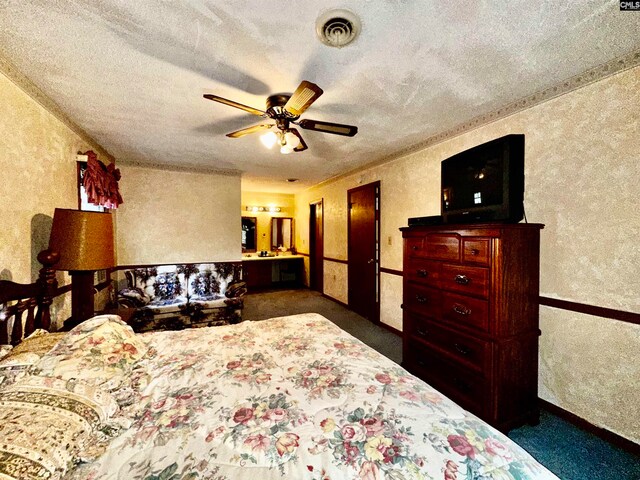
(34, 299)
(49, 285)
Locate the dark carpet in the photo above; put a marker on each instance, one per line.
(572, 453)
(569, 452)
(260, 306)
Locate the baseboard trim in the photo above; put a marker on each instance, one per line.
(390, 328)
(383, 325)
(603, 433)
(335, 300)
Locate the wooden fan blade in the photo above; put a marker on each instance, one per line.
(248, 130)
(231, 103)
(302, 98)
(302, 146)
(328, 127)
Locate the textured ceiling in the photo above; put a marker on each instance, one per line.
(132, 73)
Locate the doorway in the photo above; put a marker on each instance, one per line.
(316, 246)
(363, 204)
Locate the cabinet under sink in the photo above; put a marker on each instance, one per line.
(273, 271)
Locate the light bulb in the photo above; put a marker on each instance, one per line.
(292, 139)
(269, 139)
(286, 149)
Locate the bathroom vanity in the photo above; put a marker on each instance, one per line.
(282, 271)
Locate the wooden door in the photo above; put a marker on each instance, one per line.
(316, 246)
(364, 250)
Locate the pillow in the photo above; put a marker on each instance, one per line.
(39, 342)
(46, 424)
(102, 350)
(5, 350)
(21, 359)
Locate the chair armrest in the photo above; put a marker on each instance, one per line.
(124, 302)
(132, 298)
(236, 290)
(131, 282)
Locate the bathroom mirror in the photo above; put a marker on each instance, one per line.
(249, 234)
(281, 233)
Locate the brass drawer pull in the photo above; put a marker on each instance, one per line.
(422, 332)
(475, 251)
(461, 349)
(422, 273)
(462, 280)
(461, 309)
(414, 247)
(421, 298)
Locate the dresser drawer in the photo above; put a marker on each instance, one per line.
(474, 353)
(465, 279)
(476, 250)
(423, 271)
(457, 382)
(416, 247)
(465, 311)
(443, 247)
(422, 300)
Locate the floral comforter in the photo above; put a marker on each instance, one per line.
(293, 397)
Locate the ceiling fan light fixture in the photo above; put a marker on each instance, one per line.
(291, 139)
(269, 139)
(288, 141)
(285, 110)
(286, 149)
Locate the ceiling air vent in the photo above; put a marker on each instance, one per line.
(337, 28)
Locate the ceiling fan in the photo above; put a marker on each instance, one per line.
(286, 110)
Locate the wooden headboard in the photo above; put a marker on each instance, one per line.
(33, 298)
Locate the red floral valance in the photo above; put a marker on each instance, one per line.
(101, 182)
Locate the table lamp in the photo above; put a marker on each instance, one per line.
(84, 241)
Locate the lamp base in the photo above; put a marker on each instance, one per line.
(82, 292)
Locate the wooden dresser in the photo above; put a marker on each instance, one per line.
(470, 300)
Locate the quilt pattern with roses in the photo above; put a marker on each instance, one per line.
(294, 397)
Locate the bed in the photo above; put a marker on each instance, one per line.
(289, 397)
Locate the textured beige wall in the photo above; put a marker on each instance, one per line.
(390, 291)
(335, 280)
(582, 170)
(262, 199)
(177, 216)
(37, 161)
(590, 367)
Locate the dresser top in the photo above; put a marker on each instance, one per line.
(456, 227)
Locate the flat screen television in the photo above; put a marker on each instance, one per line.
(485, 183)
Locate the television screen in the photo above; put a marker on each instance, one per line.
(485, 183)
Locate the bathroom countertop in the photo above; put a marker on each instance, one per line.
(254, 256)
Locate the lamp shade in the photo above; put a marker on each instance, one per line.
(84, 240)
